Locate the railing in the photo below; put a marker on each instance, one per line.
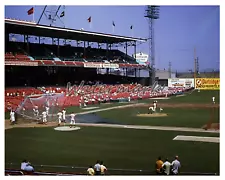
(75, 170)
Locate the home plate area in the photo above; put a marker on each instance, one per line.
(197, 138)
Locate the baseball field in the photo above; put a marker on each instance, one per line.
(127, 141)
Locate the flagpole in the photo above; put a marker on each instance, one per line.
(90, 24)
(64, 17)
(132, 32)
(113, 28)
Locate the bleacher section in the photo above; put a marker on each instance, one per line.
(101, 93)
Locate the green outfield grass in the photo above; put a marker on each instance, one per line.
(179, 117)
(119, 148)
(196, 97)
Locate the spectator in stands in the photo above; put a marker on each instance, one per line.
(166, 167)
(158, 166)
(91, 171)
(176, 166)
(26, 166)
(97, 168)
(103, 168)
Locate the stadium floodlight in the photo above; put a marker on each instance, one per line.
(152, 13)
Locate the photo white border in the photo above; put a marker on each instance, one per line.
(118, 2)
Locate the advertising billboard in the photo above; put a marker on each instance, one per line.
(181, 82)
(207, 83)
(141, 58)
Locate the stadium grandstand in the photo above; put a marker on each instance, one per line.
(47, 62)
(31, 64)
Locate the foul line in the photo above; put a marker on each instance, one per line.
(162, 128)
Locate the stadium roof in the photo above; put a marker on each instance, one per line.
(31, 28)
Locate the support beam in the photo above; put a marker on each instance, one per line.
(27, 44)
(85, 50)
(135, 50)
(107, 51)
(58, 53)
(126, 51)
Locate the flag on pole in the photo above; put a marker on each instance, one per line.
(30, 11)
(132, 32)
(62, 14)
(89, 19)
(113, 26)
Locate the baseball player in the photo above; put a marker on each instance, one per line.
(60, 114)
(154, 105)
(36, 112)
(12, 117)
(213, 100)
(47, 110)
(80, 103)
(160, 109)
(64, 115)
(44, 117)
(151, 110)
(72, 122)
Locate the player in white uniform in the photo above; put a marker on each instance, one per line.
(64, 115)
(151, 110)
(213, 100)
(47, 110)
(36, 112)
(72, 122)
(60, 114)
(44, 117)
(12, 117)
(155, 105)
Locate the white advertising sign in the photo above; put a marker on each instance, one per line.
(141, 58)
(110, 65)
(92, 65)
(181, 82)
(100, 65)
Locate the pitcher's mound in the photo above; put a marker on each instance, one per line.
(153, 115)
(66, 128)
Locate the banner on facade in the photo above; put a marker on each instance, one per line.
(21, 63)
(92, 65)
(110, 65)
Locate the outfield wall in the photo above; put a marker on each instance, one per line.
(181, 82)
(197, 83)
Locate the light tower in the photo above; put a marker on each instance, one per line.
(170, 69)
(54, 15)
(152, 13)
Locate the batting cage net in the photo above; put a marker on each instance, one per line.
(33, 106)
